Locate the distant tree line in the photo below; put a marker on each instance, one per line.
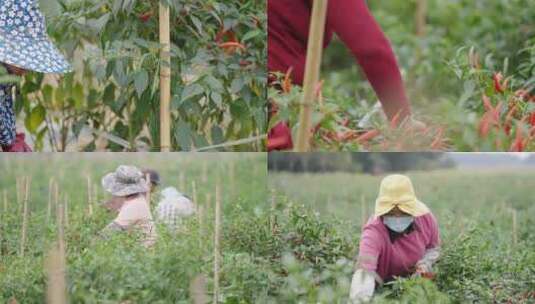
(373, 163)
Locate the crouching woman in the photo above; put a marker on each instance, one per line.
(402, 239)
(129, 190)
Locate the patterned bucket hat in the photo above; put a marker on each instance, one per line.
(126, 180)
(23, 39)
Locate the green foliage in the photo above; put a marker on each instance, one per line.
(292, 254)
(217, 95)
(118, 269)
(444, 89)
(479, 263)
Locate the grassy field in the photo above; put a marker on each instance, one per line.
(118, 270)
(293, 246)
(487, 257)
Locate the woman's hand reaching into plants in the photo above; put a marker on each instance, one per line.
(423, 271)
(412, 123)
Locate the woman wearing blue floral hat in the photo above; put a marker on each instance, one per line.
(24, 46)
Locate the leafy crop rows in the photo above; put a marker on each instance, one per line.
(296, 244)
(470, 78)
(119, 269)
(217, 76)
(480, 262)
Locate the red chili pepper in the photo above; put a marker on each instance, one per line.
(428, 275)
(395, 120)
(287, 82)
(245, 63)
(231, 47)
(499, 85)
(518, 144)
(508, 119)
(487, 103)
(532, 119)
(145, 16)
(368, 136)
(485, 124)
(225, 36)
(437, 143)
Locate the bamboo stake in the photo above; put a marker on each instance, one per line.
(363, 214)
(89, 196)
(55, 269)
(197, 289)
(50, 195)
(515, 239)
(95, 196)
(66, 210)
(273, 207)
(147, 195)
(17, 189)
(25, 215)
(217, 241)
(19, 193)
(312, 71)
(208, 199)
(182, 181)
(204, 176)
(201, 213)
(56, 197)
(60, 222)
(200, 220)
(5, 201)
(232, 178)
(420, 17)
(194, 191)
(165, 79)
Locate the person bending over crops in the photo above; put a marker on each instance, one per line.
(24, 46)
(174, 206)
(351, 20)
(154, 178)
(402, 239)
(129, 189)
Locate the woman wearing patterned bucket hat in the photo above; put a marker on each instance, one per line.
(401, 239)
(128, 188)
(24, 46)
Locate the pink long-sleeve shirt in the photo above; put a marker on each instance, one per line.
(377, 253)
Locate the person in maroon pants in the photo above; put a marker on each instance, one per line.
(351, 20)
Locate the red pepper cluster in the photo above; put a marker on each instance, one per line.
(493, 121)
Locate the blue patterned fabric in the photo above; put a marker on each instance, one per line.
(7, 115)
(23, 39)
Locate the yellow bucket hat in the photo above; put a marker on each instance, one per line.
(397, 191)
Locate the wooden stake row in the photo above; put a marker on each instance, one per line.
(55, 262)
(165, 78)
(312, 73)
(26, 185)
(217, 243)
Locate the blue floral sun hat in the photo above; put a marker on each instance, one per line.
(23, 39)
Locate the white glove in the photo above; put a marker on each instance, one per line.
(425, 264)
(362, 287)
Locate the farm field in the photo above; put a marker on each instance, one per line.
(119, 270)
(485, 219)
(469, 72)
(285, 238)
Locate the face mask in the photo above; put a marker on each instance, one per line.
(398, 224)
